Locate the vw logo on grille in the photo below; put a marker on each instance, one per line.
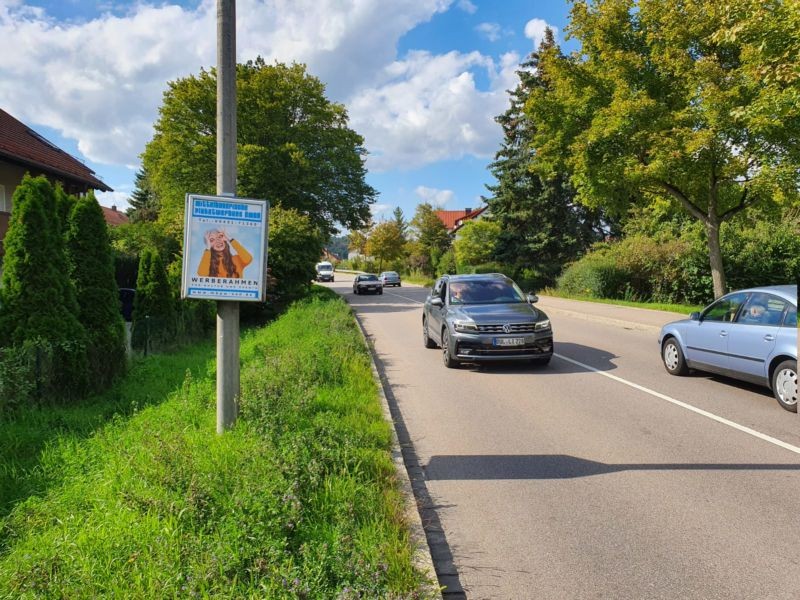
(507, 328)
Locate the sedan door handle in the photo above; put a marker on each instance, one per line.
(723, 334)
(769, 338)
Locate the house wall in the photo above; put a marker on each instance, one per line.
(10, 177)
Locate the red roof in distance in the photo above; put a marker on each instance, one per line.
(451, 218)
(22, 144)
(114, 217)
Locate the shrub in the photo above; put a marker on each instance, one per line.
(153, 309)
(92, 271)
(446, 263)
(295, 246)
(37, 299)
(596, 275)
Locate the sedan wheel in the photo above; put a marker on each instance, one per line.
(784, 385)
(429, 343)
(447, 356)
(672, 355)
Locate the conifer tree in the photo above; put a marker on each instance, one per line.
(64, 204)
(37, 301)
(143, 200)
(153, 308)
(542, 228)
(91, 268)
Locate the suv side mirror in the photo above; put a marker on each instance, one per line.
(695, 316)
(532, 298)
(437, 301)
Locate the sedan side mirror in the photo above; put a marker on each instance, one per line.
(533, 298)
(695, 316)
(437, 301)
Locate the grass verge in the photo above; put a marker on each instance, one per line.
(419, 280)
(676, 308)
(299, 500)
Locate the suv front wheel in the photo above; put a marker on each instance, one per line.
(447, 352)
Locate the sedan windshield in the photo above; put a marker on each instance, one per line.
(368, 278)
(485, 292)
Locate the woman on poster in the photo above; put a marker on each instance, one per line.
(218, 260)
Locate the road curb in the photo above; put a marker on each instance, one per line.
(422, 559)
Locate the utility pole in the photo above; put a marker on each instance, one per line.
(227, 311)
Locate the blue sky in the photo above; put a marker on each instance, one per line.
(422, 79)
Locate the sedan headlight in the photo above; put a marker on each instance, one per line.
(465, 326)
(542, 325)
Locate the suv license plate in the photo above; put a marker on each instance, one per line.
(509, 341)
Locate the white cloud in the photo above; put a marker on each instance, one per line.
(378, 209)
(534, 30)
(467, 6)
(116, 198)
(101, 81)
(433, 196)
(429, 108)
(490, 31)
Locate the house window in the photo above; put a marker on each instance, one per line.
(5, 204)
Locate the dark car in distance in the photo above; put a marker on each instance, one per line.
(487, 317)
(367, 283)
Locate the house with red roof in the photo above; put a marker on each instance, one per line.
(22, 150)
(455, 219)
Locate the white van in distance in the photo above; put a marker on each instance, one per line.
(324, 271)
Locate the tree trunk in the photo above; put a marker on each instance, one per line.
(715, 256)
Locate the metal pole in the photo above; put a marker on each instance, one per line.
(227, 312)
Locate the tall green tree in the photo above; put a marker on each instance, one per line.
(144, 205)
(430, 234)
(542, 227)
(37, 299)
(294, 146)
(91, 267)
(661, 101)
(385, 242)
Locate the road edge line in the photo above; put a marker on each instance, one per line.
(757, 434)
(422, 560)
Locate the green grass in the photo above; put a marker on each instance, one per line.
(676, 308)
(299, 500)
(419, 280)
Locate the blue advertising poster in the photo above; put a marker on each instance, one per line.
(225, 248)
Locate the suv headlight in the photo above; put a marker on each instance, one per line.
(468, 326)
(542, 325)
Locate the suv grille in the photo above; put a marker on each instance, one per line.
(515, 328)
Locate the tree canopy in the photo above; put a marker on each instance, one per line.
(476, 242)
(294, 146)
(541, 226)
(661, 101)
(385, 242)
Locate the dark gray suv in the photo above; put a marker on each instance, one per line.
(487, 317)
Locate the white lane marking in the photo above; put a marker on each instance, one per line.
(401, 296)
(694, 409)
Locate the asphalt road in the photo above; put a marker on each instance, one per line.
(598, 476)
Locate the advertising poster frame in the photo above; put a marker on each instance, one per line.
(225, 247)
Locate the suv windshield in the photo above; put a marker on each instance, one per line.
(485, 291)
(325, 268)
